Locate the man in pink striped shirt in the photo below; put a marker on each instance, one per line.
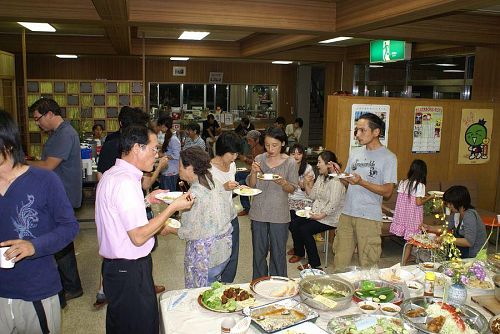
(126, 236)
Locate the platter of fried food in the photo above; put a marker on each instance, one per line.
(225, 299)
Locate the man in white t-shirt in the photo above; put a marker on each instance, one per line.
(374, 170)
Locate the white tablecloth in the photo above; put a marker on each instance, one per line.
(180, 312)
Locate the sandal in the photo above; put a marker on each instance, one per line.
(294, 259)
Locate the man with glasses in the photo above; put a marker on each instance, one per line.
(61, 154)
(374, 170)
(126, 236)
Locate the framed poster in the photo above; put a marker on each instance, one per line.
(474, 144)
(427, 127)
(381, 110)
(215, 77)
(179, 71)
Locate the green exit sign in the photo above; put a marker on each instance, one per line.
(386, 51)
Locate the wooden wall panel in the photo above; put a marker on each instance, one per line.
(486, 85)
(160, 70)
(442, 166)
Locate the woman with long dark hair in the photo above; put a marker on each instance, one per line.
(328, 195)
(299, 199)
(171, 148)
(206, 227)
(269, 212)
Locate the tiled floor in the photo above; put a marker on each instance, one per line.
(80, 316)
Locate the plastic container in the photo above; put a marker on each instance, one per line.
(226, 325)
(430, 280)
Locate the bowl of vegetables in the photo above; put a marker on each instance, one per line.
(377, 291)
(326, 292)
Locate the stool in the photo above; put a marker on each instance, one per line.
(325, 247)
(490, 222)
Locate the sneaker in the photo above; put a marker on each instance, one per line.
(100, 301)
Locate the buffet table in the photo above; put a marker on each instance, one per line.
(180, 312)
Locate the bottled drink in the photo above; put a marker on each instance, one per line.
(430, 280)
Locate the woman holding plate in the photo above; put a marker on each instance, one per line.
(269, 213)
(328, 194)
(223, 170)
(206, 227)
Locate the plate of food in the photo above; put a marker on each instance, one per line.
(173, 223)
(398, 275)
(341, 175)
(436, 193)
(274, 287)
(169, 196)
(241, 169)
(429, 266)
(268, 177)
(302, 213)
(244, 191)
(225, 299)
(432, 315)
(367, 323)
(280, 315)
(378, 291)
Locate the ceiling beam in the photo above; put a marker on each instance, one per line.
(54, 44)
(180, 48)
(114, 14)
(259, 44)
(318, 54)
(357, 16)
(300, 16)
(468, 29)
(48, 11)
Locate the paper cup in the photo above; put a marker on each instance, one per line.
(4, 263)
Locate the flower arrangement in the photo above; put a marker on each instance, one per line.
(463, 273)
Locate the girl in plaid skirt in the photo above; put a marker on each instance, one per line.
(409, 212)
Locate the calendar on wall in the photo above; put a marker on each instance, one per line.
(427, 129)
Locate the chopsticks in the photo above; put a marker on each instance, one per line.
(183, 187)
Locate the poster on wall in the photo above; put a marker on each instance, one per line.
(476, 128)
(427, 127)
(381, 110)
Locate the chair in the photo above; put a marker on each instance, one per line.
(489, 221)
(325, 247)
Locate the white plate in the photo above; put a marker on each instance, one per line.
(400, 277)
(341, 175)
(436, 193)
(168, 197)
(275, 177)
(301, 213)
(174, 223)
(303, 328)
(274, 287)
(241, 169)
(247, 191)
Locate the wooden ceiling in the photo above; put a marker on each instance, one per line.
(255, 30)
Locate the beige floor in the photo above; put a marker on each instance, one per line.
(80, 317)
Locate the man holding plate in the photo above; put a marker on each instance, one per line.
(374, 175)
(126, 236)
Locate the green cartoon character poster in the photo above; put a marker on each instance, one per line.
(475, 136)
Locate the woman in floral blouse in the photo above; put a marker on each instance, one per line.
(206, 227)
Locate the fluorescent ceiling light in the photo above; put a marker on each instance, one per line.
(67, 56)
(446, 65)
(454, 71)
(194, 35)
(336, 39)
(282, 62)
(35, 26)
(179, 58)
(376, 66)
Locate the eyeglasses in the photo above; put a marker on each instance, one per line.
(154, 149)
(38, 118)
